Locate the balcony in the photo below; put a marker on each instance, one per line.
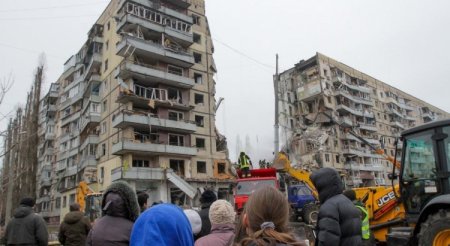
(61, 166)
(397, 124)
(49, 136)
(70, 171)
(349, 136)
(355, 99)
(368, 127)
(159, 95)
(346, 121)
(88, 161)
(129, 21)
(51, 108)
(428, 115)
(46, 182)
(395, 112)
(91, 139)
(95, 65)
(138, 120)
(70, 118)
(133, 146)
(148, 48)
(371, 140)
(380, 181)
(344, 108)
(184, 4)
(138, 173)
(371, 168)
(144, 72)
(89, 117)
(369, 114)
(72, 100)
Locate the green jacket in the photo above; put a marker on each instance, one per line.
(74, 229)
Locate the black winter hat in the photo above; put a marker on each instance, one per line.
(208, 196)
(350, 194)
(27, 201)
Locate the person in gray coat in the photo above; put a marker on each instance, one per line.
(120, 211)
(339, 221)
(26, 228)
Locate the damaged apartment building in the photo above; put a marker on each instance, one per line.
(316, 89)
(137, 103)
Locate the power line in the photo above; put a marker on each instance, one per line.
(243, 54)
(52, 7)
(30, 51)
(45, 18)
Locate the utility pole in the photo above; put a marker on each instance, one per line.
(276, 80)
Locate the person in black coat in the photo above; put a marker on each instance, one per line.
(120, 210)
(339, 221)
(206, 199)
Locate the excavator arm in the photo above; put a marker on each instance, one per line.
(82, 191)
(282, 163)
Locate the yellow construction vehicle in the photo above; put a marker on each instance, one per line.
(89, 200)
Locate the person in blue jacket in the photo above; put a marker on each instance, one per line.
(162, 225)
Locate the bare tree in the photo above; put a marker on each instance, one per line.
(5, 85)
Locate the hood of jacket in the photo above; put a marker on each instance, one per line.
(152, 226)
(327, 182)
(73, 217)
(119, 200)
(22, 211)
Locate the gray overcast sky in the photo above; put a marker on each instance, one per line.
(403, 43)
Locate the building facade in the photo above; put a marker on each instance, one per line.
(320, 87)
(136, 103)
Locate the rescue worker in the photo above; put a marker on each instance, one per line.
(244, 165)
(365, 227)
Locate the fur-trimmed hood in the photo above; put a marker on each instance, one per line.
(120, 200)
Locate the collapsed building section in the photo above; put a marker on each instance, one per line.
(320, 100)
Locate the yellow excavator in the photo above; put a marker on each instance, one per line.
(89, 200)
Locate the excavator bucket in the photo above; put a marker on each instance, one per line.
(281, 162)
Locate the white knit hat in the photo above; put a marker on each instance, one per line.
(221, 212)
(194, 220)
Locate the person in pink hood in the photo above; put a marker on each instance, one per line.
(222, 216)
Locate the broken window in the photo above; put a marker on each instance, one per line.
(200, 121)
(177, 140)
(197, 57)
(292, 123)
(106, 64)
(174, 95)
(198, 78)
(196, 19)
(175, 70)
(141, 163)
(178, 167)
(221, 168)
(337, 158)
(201, 167)
(200, 143)
(175, 115)
(198, 98)
(197, 38)
(327, 157)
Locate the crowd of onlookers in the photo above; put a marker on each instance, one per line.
(126, 220)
